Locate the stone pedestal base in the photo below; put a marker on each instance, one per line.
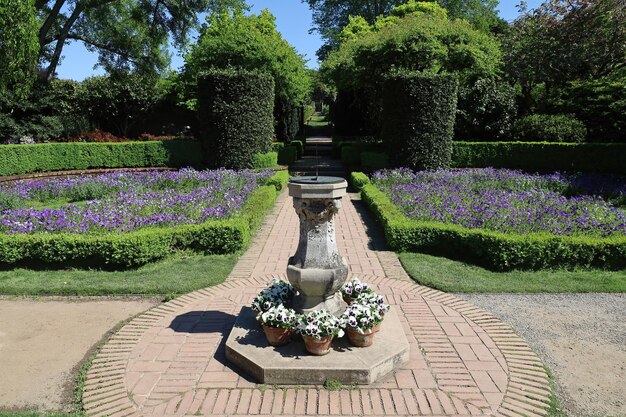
(247, 348)
(319, 288)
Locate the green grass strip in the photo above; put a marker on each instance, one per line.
(454, 276)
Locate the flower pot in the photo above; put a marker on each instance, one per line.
(348, 300)
(317, 347)
(376, 328)
(277, 336)
(359, 339)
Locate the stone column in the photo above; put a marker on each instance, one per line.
(317, 270)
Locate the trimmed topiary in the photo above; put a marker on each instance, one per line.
(418, 118)
(235, 108)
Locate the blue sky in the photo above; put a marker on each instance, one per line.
(293, 19)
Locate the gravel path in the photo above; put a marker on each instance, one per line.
(42, 342)
(580, 337)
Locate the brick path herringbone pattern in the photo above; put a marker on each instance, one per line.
(170, 361)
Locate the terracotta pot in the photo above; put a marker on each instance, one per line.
(277, 336)
(348, 300)
(317, 347)
(376, 328)
(361, 340)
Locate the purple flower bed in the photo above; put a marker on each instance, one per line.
(509, 201)
(124, 201)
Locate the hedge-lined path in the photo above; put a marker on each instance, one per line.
(170, 361)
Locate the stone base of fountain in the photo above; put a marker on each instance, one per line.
(247, 348)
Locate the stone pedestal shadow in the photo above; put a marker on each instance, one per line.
(247, 348)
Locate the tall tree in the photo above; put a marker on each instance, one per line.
(18, 45)
(563, 41)
(125, 33)
(331, 16)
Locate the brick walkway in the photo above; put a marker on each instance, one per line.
(170, 361)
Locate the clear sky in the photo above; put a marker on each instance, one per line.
(293, 19)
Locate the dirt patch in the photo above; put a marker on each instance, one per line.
(43, 341)
(580, 337)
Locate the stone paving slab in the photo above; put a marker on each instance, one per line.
(171, 360)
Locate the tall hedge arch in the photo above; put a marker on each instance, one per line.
(418, 118)
(235, 108)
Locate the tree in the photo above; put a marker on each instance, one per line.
(125, 33)
(230, 39)
(423, 40)
(563, 41)
(18, 45)
(331, 16)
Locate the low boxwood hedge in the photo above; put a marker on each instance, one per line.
(25, 159)
(265, 160)
(492, 250)
(143, 246)
(541, 156)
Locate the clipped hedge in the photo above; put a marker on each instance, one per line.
(542, 156)
(133, 249)
(26, 159)
(265, 160)
(418, 118)
(493, 250)
(287, 154)
(299, 145)
(359, 180)
(235, 109)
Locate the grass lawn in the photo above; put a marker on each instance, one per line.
(177, 275)
(452, 276)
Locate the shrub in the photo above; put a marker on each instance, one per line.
(373, 161)
(287, 154)
(493, 250)
(541, 156)
(549, 128)
(236, 115)
(418, 118)
(358, 180)
(486, 110)
(299, 145)
(25, 159)
(599, 103)
(265, 160)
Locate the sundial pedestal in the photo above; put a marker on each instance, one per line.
(317, 270)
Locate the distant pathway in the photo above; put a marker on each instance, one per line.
(463, 361)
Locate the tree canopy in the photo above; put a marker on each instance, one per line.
(563, 41)
(423, 40)
(232, 39)
(331, 16)
(125, 33)
(18, 45)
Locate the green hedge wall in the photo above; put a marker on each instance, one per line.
(140, 247)
(287, 154)
(235, 109)
(493, 250)
(418, 118)
(542, 156)
(25, 159)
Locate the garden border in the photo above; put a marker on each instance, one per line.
(493, 250)
(143, 246)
